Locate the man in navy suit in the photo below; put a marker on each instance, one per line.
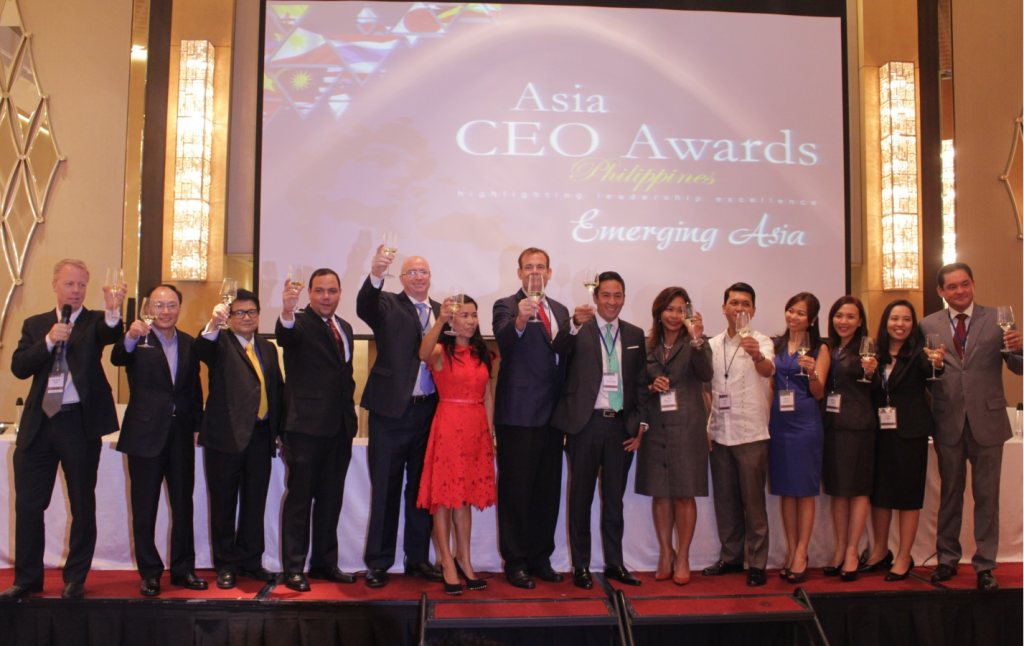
(68, 409)
(319, 425)
(603, 409)
(401, 399)
(529, 448)
(158, 436)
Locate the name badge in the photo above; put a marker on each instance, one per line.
(55, 384)
(787, 401)
(833, 403)
(668, 401)
(610, 382)
(724, 403)
(887, 418)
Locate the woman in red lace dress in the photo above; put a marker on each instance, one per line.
(458, 471)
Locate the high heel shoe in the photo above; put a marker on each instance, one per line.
(784, 573)
(471, 584)
(886, 562)
(679, 580)
(797, 577)
(892, 576)
(847, 577)
(832, 570)
(658, 576)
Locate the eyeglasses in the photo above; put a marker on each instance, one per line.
(241, 314)
(416, 272)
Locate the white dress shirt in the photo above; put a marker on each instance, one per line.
(749, 393)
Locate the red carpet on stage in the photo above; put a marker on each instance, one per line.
(521, 609)
(778, 603)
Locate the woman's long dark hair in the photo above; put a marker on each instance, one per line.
(477, 346)
(833, 337)
(914, 342)
(661, 303)
(813, 307)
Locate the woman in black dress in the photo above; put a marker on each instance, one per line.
(848, 457)
(901, 446)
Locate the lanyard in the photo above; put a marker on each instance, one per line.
(605, 343)
(729, 365)
(967, 329)
(885, 383)
(835, 370)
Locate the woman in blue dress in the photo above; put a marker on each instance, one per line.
(795, 446)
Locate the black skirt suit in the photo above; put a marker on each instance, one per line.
(848, 459)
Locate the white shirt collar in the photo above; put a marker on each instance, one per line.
(969, 311)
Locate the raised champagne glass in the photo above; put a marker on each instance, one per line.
(535, 292)
(390, 249)
(148, 315)
(1004, 317)
(803, 346)
(228, 292)
(932, 345)
(868, 349)
(457, 298)
(743, 324)
(590, 275)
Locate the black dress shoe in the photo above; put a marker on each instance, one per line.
(832, 570)
(986, 581)
(423, 571)
(720, 568)
(16, 592)
(942, 573)
(258, 574)
(72, 591)
(150, 588)
(296, 582)
(376, 577)
(520, 579)
(190, 581)
(892, 576)
(334, 574)
(756, 577)
(886, 562)
(620, 574)
(581, 578)
(225, 580)
(547, 573)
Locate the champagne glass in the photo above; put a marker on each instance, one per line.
(296, 279)
(803, 346)
(390, 249)
(932, 345)
(228, 292)
(1004, 317)
(743, 324)
(458, 299)
(114, 278)
(535, 291)
(148, 315)
(867, 351)
(590, 275)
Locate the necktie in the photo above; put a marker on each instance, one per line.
(961, 333)
(615, 398)
(426, 382)
(544, 317)
(54, 397)
(250, 351)
(337, 338)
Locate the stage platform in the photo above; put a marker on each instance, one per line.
(408, 611)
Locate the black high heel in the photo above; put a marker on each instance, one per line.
(798, 577)
(471, 584)
(847, 577)
(451, 588)
(892, 576)
(880, 565)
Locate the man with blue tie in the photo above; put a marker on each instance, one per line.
(529, 448)
(320, 422)
(401, 399)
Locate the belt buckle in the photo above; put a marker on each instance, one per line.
(609, 412)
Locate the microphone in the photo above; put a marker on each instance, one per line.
(65, 318)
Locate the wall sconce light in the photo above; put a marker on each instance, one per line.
(900, 229)
(948, 204)
(191, 231)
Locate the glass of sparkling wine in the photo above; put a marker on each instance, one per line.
(458, 299)
(535, 291)
(1004, 317)
(390, 249)
(691, 320)
(803, 346)
(113, 279)
(867, 351)
(296, 279)
(932, 344)
(148, 315)
(590, 280)
(743, 324)
(228, 292)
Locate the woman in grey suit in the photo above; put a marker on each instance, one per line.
(672, 465)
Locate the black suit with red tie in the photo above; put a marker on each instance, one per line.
(320, 422)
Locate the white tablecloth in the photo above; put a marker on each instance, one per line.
(114, 545)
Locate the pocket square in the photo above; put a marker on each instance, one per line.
(633, 347)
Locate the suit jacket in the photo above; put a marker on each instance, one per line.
(972, 390)
(584, 372)
(856, 412)
(234, 399)
(396, 328)
(688, 369)
(530, 378)
(319, 395)
(84, 356)
(147, 420)
(907, 386)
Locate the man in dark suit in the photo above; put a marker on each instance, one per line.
(158, 436)
(603, 409)
(971, 424)
(320, 422)
(529, 449)
(239, 427)
(401, 399)
(68, 409)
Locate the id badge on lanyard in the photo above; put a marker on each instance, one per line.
(887, 418)
(833, 403)
(787, 401)
(668, 401)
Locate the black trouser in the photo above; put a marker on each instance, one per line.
(529, 494)
(397, 447)
(239, 481)
(60, 440)
(597, 448)
(317, 467)
(177, 464)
